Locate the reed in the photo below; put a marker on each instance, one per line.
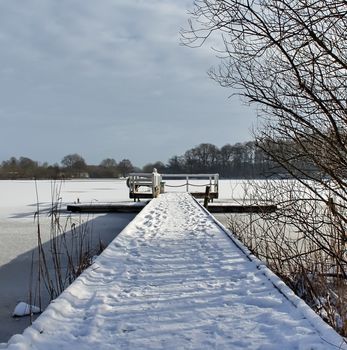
(303, 242)
(69, 251)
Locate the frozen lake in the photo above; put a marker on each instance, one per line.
(18, 229)
(18, 233)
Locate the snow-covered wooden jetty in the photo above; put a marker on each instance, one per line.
(174, 278)
(150, 185)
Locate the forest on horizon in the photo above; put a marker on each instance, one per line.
(240, 160)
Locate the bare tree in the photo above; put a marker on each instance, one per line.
(108, 163)
(74, 164)
(202, 158)
(125, 167)
(160, 166)
(290, 59)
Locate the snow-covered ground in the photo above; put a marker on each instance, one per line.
(174, 279)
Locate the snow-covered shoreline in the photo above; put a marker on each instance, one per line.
(174, 280)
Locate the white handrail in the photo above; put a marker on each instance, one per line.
(151, 180)
(213, 179)
(154, 181)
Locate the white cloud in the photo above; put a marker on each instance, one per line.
(102, 64)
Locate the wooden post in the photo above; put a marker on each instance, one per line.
(207, 196)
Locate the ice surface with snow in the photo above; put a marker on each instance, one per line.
(18, 233)
(24, 309)
(174, 279)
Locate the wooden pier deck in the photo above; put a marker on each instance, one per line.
(136, 207)
(113, 207)
(175, 278)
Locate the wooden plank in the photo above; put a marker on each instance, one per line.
(106, 208)
(212, 195)
(136, 195)
(216, 208)
(122, 208)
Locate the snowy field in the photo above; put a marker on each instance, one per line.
(175, 279)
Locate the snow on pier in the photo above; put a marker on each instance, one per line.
(174, 279)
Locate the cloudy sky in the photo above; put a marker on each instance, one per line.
(108, 78)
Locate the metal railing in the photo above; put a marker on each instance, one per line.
(189, 180)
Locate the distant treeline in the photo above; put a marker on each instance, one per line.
(72, 166)
(241, 160)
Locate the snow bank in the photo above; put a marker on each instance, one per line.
(24, 309)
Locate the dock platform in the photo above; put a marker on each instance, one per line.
(110, 207)
(175, 278)
(136, 207)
